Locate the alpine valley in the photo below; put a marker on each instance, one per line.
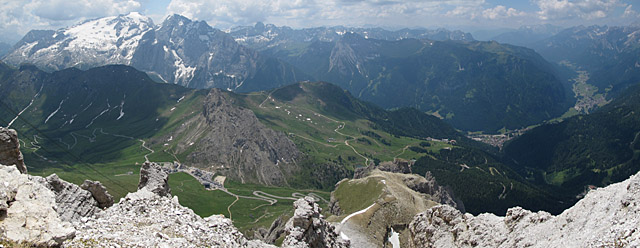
(125, 133)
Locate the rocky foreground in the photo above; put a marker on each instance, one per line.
(51, 212)
(606, 217)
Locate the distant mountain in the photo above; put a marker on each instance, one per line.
(527, 35)
(608, 54)
(111, 114)
(263, 36)
(473, 85)
(596, 149)
(177, 51)
(305, 134)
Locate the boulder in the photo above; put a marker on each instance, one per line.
(28, 211)
(154, 179)
(72, 201)
(308, 228)
(99, 193)
(10, 149)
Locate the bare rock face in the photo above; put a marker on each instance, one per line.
(154, 179)
(237, 144)
(28, 211)
(99, 193)
(10, 149)
(275, 230)
(437, 193)
(72, 202)
(606, 217)
(307, 228)
(397, 166)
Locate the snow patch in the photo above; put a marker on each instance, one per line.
(121, 107)
(101, 113)
(394, 239)
(54, 112)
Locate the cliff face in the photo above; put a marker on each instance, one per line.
(10, 149)
(308, 228)
(232, 140)
(606, 217)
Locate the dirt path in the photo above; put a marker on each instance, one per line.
(146, 156)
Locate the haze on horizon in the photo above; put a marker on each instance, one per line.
(17, 17)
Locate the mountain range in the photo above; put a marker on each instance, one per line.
(179, 51)
(475, 86)
(261, 36)
(609, 54)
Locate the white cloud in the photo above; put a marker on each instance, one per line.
(630, 13)
(583, 9)
(304, 13)
(19, 16)
(500, 11)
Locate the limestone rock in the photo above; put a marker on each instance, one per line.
(237, 143)
(397, 166)
(154, 179)
(437, 193)
(72, 202)
(99, 193)
(275, 230)
(29, 215)
(307, 228)
(606, 217)
(10, 149)
(147, 219)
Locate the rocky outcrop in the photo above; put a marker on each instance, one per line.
(154, 179)
(397, 166)
(307, 227)
(437, 193)
(10, 149)
(99, 193)
(275, 230)
(28, 210)
(237, 144)
(151, 218)
(147, 219)
(72, 202)
(606, 217)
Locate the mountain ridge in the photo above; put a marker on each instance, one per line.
(178, 51)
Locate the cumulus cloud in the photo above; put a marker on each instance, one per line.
(584, 9)
(315, 12)
(19, 16)
(501, 12)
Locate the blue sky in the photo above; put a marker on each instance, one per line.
(19, 16)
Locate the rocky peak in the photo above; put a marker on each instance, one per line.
(154, 179)
(73, 202)
(99, 193)
(429, 186)
(308, 228)
(10, 149)
(606, 217)
(239, 145)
